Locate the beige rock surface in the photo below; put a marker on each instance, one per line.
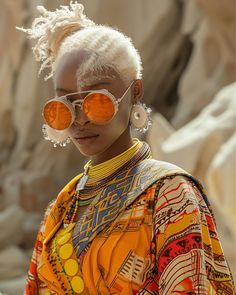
(11, 227)
(13, 286)
(32, 172)
(212, 64)
(13, 262)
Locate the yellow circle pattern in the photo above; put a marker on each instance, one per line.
(77, 284)
(66, 251)
(71, 267)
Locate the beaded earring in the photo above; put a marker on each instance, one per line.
(140, 117)
(57, 137)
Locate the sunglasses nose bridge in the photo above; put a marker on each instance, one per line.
(80, 116)
(78, 103)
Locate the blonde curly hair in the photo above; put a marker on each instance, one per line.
(68, 28)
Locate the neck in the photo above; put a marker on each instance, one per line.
(115, 149)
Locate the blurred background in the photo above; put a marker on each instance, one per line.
(188, 48)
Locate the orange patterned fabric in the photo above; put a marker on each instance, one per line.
(163, 242)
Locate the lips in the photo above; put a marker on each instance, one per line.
(85, 134)
(85, 137)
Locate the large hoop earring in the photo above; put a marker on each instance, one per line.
(57, 137)
(140, 117)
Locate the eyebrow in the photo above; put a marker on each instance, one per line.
(63, 90)
(98, 84)
(72, 91)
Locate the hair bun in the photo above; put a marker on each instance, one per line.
(52, 27)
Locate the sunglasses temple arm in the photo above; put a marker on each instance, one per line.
(126, 91)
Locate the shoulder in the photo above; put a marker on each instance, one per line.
(178, 184)
(164, 168)
(169, 177)
(168, 172)
(178, 195)
(173, 183)
(171, 174)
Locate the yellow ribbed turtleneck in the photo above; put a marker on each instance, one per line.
(106, 168)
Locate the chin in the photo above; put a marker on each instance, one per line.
(87, 153)
(90, 150)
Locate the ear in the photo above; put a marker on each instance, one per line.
(137, 91)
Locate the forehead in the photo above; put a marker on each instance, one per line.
(73, 70)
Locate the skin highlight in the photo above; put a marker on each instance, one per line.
(99, 142)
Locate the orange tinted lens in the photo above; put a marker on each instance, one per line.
(57, 115)
(99, 108)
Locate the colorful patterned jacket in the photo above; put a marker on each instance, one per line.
(150, 232)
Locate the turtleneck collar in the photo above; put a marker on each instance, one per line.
(102, 170)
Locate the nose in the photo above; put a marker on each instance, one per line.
(80, 116)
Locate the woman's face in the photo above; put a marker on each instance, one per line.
(100, 142)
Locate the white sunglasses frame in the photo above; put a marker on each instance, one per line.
(80, 102)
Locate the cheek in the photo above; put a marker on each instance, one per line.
(121, 119)
(123, 113)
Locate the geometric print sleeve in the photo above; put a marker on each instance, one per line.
(188, 254)
(34, 285)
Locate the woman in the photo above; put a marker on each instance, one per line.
(128, 224)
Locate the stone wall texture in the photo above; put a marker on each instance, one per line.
(188, 51)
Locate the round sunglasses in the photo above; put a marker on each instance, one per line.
(100, 107)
